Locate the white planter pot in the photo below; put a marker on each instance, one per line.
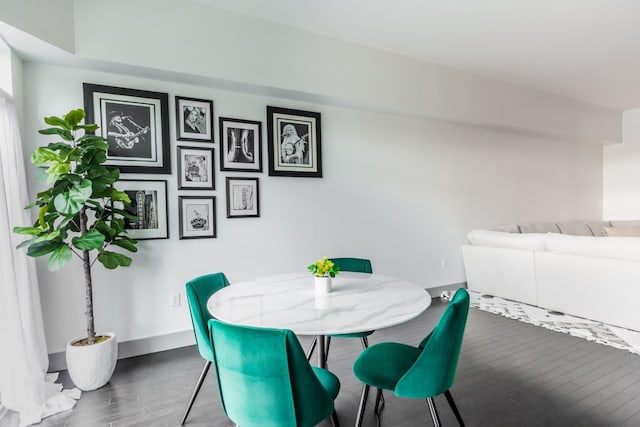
(322, 285)
(91, 366)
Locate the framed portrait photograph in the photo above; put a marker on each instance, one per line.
(135, 124)
(197, 217)
(294, 143)
(194, 119)
(242, 197)
(195, 168)
(149, 206)
(240, 145)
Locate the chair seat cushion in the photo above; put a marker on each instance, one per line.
(353, 335)
(329, 381)
(382, 365)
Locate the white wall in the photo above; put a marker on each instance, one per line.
(48, 20)
(621, 172)
(402, 191)
(201, 40)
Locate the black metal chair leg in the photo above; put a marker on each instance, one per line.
(377, 409)
(313, 347)
(326, 350)
(203, 374)
(434, 413)
(334, 419)
(365, 345)
(365, 342)
(447, 394)
(363, 403)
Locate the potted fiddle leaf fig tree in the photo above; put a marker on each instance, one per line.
(79, 214)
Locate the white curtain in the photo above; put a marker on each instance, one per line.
(24, 385)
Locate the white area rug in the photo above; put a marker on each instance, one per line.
(590, 330)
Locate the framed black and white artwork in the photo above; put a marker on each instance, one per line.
(294, 143)
(242, 197)
(197, 217)
(240, 145)
(194, 119)
(135, 124)
(195, 168)
(149, 206)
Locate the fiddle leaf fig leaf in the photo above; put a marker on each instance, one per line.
(60, 257)
(56, 170)
(43, 248)
(71, 202)
(89, 128)
(58, 121)
(63, 133)
(108, 232)
(121, 196)
(72, 118)
(41, 213)
(34, 231)
(113, 260)
(89, 240)
(126, 243)
(43, 155)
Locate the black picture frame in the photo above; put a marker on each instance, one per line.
(197, 217)
(135, 123)
(240, 145)
(243, 197)
(194, 119)
(195, 168)
(294, 142)
(149, 204)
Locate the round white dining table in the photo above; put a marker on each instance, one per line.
(358, 302)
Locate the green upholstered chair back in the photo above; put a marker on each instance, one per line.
(358, 265)
(265, 379)
(434, 371)
(198, 292)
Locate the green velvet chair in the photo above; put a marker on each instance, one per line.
(357, 265)
(198, 292)
(265, 380)
(421, 372)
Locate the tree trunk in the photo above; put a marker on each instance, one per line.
(86, 264)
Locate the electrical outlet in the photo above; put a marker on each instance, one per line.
(174, 300)
(443, 264)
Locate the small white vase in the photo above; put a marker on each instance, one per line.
(91, 366)
(322, 285)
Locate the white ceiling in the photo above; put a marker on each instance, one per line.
(583, 49)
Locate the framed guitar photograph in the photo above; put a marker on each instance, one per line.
(294, 143)
(135, 124)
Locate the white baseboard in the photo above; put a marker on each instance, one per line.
(435, 292)
(137, 347)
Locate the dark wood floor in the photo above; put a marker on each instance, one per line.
(510, 374)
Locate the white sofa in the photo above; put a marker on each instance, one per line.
(572, 268)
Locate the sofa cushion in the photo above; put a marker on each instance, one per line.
(501, 239)
(597, 227)
(511, 228)
(626, 223)
(548, 227)
(622, 231)
(575, 228)
(602, 247)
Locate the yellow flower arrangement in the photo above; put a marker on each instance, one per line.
(324, 267)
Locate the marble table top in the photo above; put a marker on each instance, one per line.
(358, 302)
